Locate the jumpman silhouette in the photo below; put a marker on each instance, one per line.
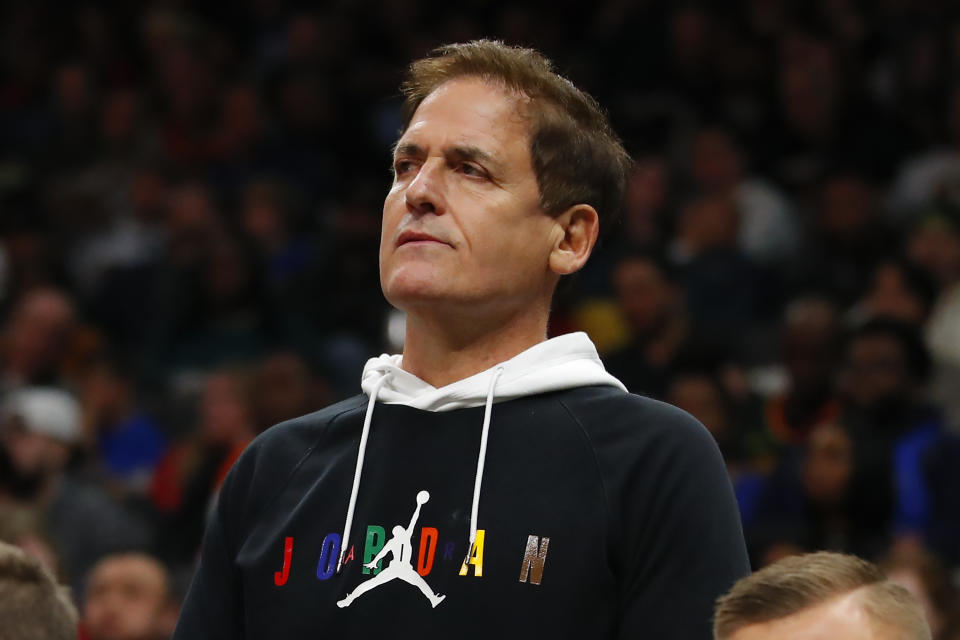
(400, 566)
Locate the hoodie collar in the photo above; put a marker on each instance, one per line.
(563, 362)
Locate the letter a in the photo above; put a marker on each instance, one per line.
(476, 557)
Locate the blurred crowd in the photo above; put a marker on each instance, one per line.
(190, 197)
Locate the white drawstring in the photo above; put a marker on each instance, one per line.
(345, 540)
(480, 462)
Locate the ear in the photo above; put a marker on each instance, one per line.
(577, 229)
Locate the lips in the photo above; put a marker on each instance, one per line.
(417, 236)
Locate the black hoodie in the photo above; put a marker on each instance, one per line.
(603, 515)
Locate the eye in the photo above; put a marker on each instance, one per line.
(402, 166)
(472, 170)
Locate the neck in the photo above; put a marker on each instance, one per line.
(442, 350)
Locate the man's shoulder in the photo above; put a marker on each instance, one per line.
(604, 409)
(286, 442)
(308, 425)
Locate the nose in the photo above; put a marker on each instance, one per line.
(424, 194)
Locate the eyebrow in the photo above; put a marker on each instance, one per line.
(458, 152)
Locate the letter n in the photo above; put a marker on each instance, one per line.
(534, 558)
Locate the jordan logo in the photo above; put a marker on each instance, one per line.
(401, 566)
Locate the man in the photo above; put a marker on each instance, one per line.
(39, 429)
(819, 595)
(589, 512)
(32, 605)
(128, 597)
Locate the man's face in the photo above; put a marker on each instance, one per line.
(462, 223)
(126, 600)
(841, 618)
(876, 371)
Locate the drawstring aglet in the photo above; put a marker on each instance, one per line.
(340, 563)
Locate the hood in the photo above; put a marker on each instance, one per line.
(563, 362)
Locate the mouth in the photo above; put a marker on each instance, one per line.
(418, 237)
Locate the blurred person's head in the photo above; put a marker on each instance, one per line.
(226, 416)
(32, 605)
(901, 290)
(690, 36)
(847, 207)
(929, 581)
(934, 244)
(648, 189)
(265, 214)
(241, 119)
(120, 117)
(885, 364)
(305, 103)
(809, 88)
(39, 429)
(37, 334)
(717, 165)
(229, 277)
(106, 393)
(128, 597)
(646, 294)
(708, 223)
(819, 595)
(285, 388)
(147, 194)
(702, 395)
(828, 467)
(809, 344)
(74, 90)
(192, 222)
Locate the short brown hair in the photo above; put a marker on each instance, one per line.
(576, 155)
(799, 582)
(32, 605)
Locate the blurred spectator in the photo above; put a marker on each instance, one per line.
(929, 582)
(285, 389)
(188, 477)
(934, 175)
(128, 597)
(32, 604)
(647, 201)
(40, 431)
(934, 244)
(898, 289)
(830, 497)
(847, 239)
(125, 441)
(885, 367)
(37, 338)
(649, 298)
(268, 221)
(724, 292)
(767, 232)
(809, 347)
(702, 394)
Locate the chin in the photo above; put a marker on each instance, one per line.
(409, 288)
